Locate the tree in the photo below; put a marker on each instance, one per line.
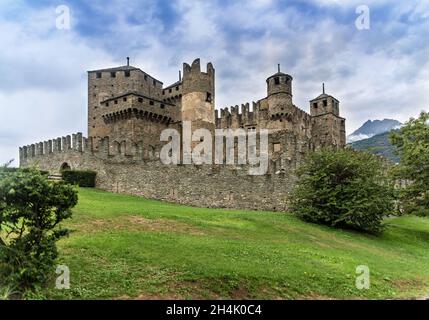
(412, 145)
(31, 209)
(343, 188)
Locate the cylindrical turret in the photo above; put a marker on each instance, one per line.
(279, 91)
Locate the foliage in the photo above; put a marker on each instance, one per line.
(31, 208)
(412, 145)
(343, 188)
(80, 178)
(135, 248)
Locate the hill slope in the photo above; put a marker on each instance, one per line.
(378, 144)
(129, 247)
(372, 128)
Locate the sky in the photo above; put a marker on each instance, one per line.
(380, 71)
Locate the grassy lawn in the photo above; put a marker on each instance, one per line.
(133, 248)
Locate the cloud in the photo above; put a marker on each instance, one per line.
(377, 73)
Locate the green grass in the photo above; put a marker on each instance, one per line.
(129, 247)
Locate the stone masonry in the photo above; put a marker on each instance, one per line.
(128, 109)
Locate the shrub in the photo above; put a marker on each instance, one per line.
(343, 188)
(31, 208)
(80, 178)
(412, 145)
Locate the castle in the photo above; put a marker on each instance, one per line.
(128, 109)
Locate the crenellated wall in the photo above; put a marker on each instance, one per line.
(128, 110)
(127, 168)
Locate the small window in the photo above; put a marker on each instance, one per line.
(315, 105)
(98, 75)
(125, 99)
(113, 74)
(107, 104)
(177, 88)
(145, 77)
(209, 97)
(276, 80)
(163, 92)
(116, 101)
(140, 100)
(169, 90)
(325, 103)
(162, 106)
(154, 82)
(127, 73)
(151, 102)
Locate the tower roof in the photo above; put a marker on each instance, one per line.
(279, 74)
(121, 68)
(323, 95)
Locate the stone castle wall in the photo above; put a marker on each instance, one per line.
(130, 170)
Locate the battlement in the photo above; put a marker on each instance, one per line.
(233, 117)
(195, 69)
(194, 80)
(75, 142)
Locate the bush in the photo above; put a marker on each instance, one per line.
(80, 178)
(343, 188)
(5, 169)
(31, 208)
(412, 145)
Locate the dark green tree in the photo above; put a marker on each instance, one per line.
(343, 188)
(412, 173)
(31, 209)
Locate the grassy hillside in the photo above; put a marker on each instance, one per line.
(128, 247)
(378, 144)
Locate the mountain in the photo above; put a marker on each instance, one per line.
(378, 144)
(372, 128)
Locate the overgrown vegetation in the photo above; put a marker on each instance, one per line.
(343, 188)
(82, 178)
(31, 209)
(412, 145)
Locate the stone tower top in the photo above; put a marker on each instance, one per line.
(324, 104)
(279, 83)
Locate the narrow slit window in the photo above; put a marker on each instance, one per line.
(209, 97)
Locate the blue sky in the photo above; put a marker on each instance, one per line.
(378, 73)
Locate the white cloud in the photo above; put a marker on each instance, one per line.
(380, 73)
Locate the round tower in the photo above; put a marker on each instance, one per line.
(198, 97)
(279, 92)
